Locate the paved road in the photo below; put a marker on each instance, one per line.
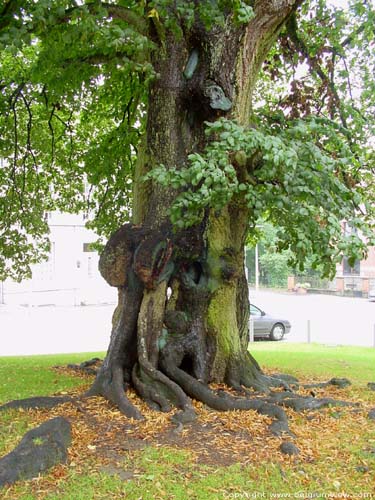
(54, 329)
(43, 330)
(333, 320)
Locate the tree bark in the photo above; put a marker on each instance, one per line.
(182, 317)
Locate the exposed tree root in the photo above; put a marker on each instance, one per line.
(181, 384)
(160, 389)
(301, 403)
(110, 384)
(245, 372)
(148, 392)
(223, 401)
(170, 386)
(115, 372)
(89, 367)
(164, 345)
(37, 402)
(40, 449)
(338, 382)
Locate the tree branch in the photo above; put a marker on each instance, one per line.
(292, 29)
(139, 23)
(114, 11)
(9, 9)
(50, 126)
(97, 59)
(356, 32)
(128, 15)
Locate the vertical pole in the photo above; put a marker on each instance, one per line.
(308, 331)
(256, 268)
(374, 337)
(251, 332)
(246, 269)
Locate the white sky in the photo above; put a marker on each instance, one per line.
(338, 3)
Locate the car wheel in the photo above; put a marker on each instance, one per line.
(277, 332)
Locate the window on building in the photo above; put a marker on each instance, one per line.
(89, 267)
(88, 247)
(351, 271)
(46, 270)
(347, 269)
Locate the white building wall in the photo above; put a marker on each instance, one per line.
(70, 276)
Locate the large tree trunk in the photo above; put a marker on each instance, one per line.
(182, 317)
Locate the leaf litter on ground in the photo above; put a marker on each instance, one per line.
(103, 437)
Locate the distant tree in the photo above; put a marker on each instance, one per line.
(275, 269)
(192, 119)
(274, 265)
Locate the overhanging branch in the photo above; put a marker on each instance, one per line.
(114, 11)
(292, 29)
(7, 12)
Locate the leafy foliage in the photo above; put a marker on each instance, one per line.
(296, 178)
(74, 87)
(274, 266)
(181, 14)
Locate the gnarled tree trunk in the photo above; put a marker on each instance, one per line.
(182, 317)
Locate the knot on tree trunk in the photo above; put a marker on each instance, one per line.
(152, 260)
(147, 252)
(177, 321)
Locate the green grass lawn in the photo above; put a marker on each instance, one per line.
(316, 360)
(165, 473)
(26, 376)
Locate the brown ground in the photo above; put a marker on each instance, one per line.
(105, 439)
(215, 438)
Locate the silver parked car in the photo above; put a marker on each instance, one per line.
(371, 295)
(268, 326)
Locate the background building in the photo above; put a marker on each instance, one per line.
(70, 276)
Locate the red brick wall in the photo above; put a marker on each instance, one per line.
(368, 265)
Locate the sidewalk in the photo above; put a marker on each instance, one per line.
(54, 329)
(65, 329)
(333, 320)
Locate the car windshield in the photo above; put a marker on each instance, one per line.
(255, 311)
